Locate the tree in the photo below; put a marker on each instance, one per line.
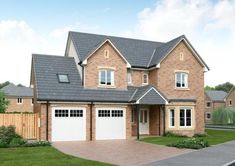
(209, 88)
(225, 87)
(4, 84)
(3, 102)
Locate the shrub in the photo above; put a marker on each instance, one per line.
(17, 141)
(191, 143)
(7, 134)
(36, 143)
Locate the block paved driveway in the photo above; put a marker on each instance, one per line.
(217, 155)
(119, 152)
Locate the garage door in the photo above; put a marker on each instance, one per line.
(110, 123)
(68, 124)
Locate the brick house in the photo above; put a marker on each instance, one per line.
(20, 98)
(230, 98)
(107, 87)
(213, 99)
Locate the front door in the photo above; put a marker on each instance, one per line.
(144, 121)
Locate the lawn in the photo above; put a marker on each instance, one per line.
(213, 137)
(41, 156)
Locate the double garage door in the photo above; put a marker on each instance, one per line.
(69, 124)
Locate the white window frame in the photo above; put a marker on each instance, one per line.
(112, 77)
(230, 102)
(170, 117)
(208, 102)
(145, 83)
(185, 118)
(181, 80)
(210, 115)
(129, 77)
(19, 99)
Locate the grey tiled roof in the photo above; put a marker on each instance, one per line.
(139, 53)
(216, 95)
(17, 91)
(46, 69)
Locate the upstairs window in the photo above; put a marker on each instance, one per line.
(19, 100)
(208, 104)
(106, 77)
(181, 80)
(63, 78)
(145, 78)
(129, 78)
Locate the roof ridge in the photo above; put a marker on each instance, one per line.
(47, 55)
(118, 37)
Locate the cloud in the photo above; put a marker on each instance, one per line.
(18, 40)
(210, 26)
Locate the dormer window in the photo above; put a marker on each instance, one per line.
(106, 77)
(63, 78)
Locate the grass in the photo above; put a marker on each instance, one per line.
(41, 156)
(213, 137)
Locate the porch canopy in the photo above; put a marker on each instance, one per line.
(149, 95)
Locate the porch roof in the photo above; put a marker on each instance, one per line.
(150, 96)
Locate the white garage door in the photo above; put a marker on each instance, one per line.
(68, 124)
(110, 123)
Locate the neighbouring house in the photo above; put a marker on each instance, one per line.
(20, 98)
(213, 99)
(107, 87)
(230, 98)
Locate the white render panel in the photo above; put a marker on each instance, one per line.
(110, 127)
(72, 53)
(68, 128)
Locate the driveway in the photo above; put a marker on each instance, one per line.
(119, 152)
(217, 155)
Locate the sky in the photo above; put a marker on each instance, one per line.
(35, 26)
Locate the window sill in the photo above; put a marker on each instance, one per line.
(106, 86)
(182, 89)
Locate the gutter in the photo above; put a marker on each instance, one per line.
(91, 121)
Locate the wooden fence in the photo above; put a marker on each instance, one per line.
(26, 124)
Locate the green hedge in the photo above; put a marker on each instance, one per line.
(224, 116)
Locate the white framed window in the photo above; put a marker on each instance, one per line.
(19, 100)
(181, 80)
(185, 117)
(208, 104)
(208, 116)
(172, 117)
(104, 113)
(230, 102)
(145, 78)
(76, 113)
(32, 101)
(61, 113)
(129, 78)
(106, 77)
